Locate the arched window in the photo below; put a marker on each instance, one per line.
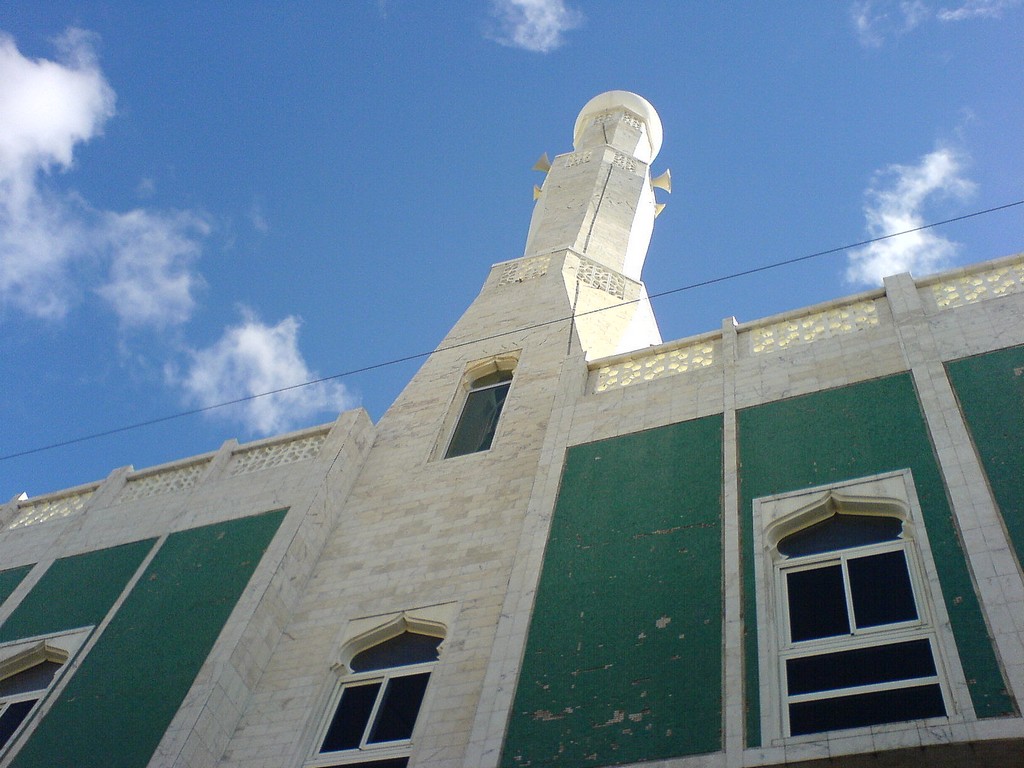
(24, 679)
(487, 387)
(858, 648)
(374, 709)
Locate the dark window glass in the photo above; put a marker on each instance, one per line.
(841, 532)
(399, 707)
(817, 603)
(881, 591)
(480, 414)
(37, 678)
(393, 762)
(861, 666)
(497, 377)
(399, 651)
(866, 709)
(350, 718)
(12, 717)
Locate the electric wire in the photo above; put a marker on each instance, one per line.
(523, 329)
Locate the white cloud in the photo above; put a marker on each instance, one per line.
(258, 219)
(252, 358)
(895, 203)
(875, 21)
(46, 108)
(973, 9)
(54, 246)
(534, 25)
(150, 281)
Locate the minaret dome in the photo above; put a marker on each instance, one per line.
(587, 134)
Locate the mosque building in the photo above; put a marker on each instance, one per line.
(792, 541)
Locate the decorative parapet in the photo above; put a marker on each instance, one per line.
(603, 279)
(170, 480)
(656, 365)
(825, 324)
(43, 510)
(524, 269)
(277, 454)
(967, 287)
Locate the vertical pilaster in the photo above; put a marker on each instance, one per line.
(734, 711)
(982, 535)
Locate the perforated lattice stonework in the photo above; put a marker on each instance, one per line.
(277, 455)
(615, 116)
(656, 366)
(632, 120)
(168, 481)
(820, 325)
(577, 158)
(524, 269)
(625, 162)
(990, 284)
(603, 279)
(49, 509)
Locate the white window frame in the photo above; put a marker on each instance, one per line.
(507, 362)
(919, 628)
(361, 635)
(376, 751)
(21, 655)
(775, 517)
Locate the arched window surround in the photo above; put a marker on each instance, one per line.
(780, 648)
(459, 432)
(362, 635)
(22, 705)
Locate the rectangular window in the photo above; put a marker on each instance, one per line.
(480, 413)
(377, 704)
(856, 648)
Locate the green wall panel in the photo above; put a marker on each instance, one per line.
(75, 591)
(10, 579)
(990, 388)
(118, 704)
(624, 656)
(842, 434)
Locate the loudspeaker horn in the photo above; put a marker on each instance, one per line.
(542, 164)
(663, 182)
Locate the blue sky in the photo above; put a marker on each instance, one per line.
(200, 201)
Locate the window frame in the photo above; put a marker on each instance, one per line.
(366, 752)
(361, 635)
(21, 655)
(877, 636)
(776, 517)
(457, 411)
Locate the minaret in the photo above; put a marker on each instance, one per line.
(597, 209)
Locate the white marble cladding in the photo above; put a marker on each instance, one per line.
(970, 286)
(169, 480)
(276, 454)
(833, 321)
(50, 509)
(524, 269)
(666, 362)
(593, 274)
